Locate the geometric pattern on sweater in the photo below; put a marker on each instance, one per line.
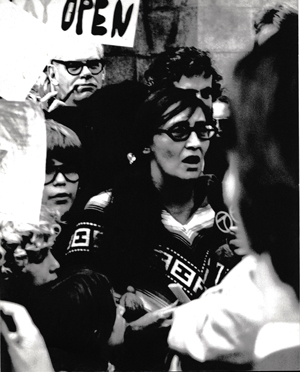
(187, 256)
(203, 218)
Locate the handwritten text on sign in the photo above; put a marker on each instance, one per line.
(113, 21)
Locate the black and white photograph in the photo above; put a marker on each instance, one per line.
(149, 185)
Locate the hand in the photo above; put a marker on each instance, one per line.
(50, 103)
(240, 245)
(26, 345)
(159, 318)
(132, 304)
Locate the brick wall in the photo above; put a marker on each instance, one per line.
(224, 27)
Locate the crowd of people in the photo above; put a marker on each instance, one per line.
(168, 233)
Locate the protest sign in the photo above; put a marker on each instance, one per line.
(25, 47)
(22, 161)
(113, 22)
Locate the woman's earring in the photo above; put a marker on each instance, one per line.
(146, 150)
(131, 158)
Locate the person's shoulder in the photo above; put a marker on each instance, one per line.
(120, 93)
(99, 201)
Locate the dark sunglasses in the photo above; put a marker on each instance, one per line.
(70, 174)
(75, 67)
(37, 256)
(182, 130)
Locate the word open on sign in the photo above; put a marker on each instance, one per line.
(112, 21)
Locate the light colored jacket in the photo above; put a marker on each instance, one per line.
(224, 322)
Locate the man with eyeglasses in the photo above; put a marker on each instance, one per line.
(100, 114)
(76, 72)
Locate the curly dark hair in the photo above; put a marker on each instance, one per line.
(175, 62)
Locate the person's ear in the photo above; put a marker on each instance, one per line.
(103, 74)
(51, 72)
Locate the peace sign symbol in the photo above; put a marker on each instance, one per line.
(224, 221)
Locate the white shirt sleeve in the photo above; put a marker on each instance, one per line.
(223, 323)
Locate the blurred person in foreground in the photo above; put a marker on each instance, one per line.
(253, 316)
(26, 348)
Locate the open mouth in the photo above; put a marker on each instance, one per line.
(192, 160)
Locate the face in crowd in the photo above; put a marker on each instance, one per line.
(220, 114)
(180, 145)
(77, 73)
(202, 85)
(42, 267)
(61, 186)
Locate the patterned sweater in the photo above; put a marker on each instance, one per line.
(196, 255)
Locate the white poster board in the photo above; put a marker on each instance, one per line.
(113, 22)
(22, 161)
(25, 48)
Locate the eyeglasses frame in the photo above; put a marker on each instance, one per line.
(192, 129)
(102, 62)
(59, 170)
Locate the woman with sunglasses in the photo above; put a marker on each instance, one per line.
(157, 225)
(159, 218)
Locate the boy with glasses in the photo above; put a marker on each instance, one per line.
(63, 170)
